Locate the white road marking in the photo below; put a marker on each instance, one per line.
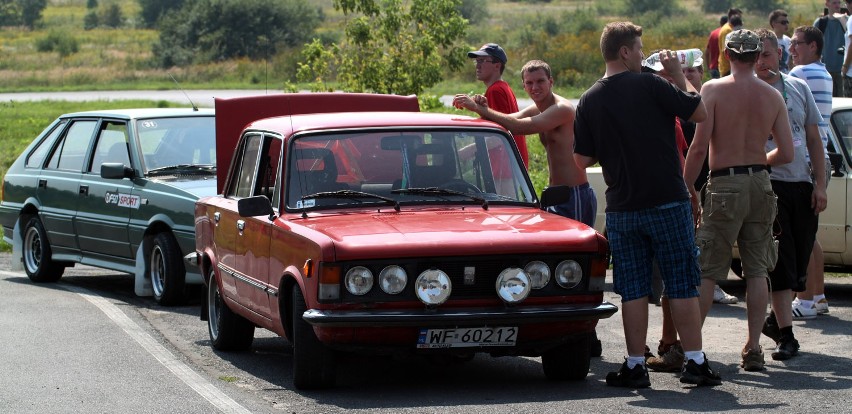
(203, 387)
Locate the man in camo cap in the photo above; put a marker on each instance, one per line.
(739, 206)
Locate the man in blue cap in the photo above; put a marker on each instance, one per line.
(490, 62)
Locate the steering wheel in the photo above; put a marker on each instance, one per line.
(461, 186)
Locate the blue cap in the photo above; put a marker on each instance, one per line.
(489, 49)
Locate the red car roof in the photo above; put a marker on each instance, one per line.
(292, 112)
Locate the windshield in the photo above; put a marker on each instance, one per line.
(169, 143)
(465, 166)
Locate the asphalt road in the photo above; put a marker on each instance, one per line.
(86, 344)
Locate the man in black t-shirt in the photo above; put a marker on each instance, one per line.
(625, 121)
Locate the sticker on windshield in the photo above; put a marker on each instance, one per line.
(306, 203)
(123, 200)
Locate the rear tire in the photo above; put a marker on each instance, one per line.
(568, 362)
(38, 264)
(313, 363)
(166, 270)
(228, 331)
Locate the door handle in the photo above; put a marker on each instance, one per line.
(42, 183)
(216, 216)
(241, 225)
(84, 190)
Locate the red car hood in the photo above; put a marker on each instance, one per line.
(434, 232)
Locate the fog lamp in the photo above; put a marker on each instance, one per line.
(433, 287)
(513, 285)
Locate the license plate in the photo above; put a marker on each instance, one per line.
(467, 337)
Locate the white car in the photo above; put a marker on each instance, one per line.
(835, 222)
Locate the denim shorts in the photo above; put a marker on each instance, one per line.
(664, 233)
(582, 206)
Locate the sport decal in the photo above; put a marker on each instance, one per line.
(123, 200)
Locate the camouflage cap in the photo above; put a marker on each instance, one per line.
(743, 41)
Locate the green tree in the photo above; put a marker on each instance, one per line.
(9, 13)
(217, 30)
(151, 10)
(111, 16)
(31, 11)
(91, 4)
(90, 21)
(475, 11)
(391, 46)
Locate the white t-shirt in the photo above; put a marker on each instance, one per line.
(784, 44)
(848, 41)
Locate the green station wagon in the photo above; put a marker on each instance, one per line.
(113, 189)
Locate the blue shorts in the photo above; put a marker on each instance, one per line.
(664, 233)
(582, 206)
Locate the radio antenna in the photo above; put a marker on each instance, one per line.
(194, 108)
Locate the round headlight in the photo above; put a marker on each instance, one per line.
(433, 287)
(538, 273)
(569, 274)
(392, 279)
(513, 285)
(359, 280)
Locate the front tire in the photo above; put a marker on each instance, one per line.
(313, 363)
(166, 270)
(568, 362)
(228, 331)
(38, 264)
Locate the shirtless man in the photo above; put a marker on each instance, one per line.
(552, 117)
(740, 204)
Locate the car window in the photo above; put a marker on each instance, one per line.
(71, 152)
(248, 166)
(258, 170)
(111, 146)
(397, 164)
(167, 142)
(38, 155)
(842, 122)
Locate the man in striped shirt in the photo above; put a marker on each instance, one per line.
(805, 51)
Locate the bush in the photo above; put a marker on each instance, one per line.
(715, 6)
(111, 16)
(63, 43)
(218, 30)
(663, 7)
(90, 21)
(475, 11)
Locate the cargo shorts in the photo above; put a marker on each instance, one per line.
(738, 208)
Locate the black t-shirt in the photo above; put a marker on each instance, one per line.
(626, 121)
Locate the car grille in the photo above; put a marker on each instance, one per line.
(483, 286)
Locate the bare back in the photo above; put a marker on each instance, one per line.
(742, 112)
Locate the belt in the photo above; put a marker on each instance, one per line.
(743, 169)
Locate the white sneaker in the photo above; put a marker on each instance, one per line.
(720, 296)
(801, 312)
(821, 306)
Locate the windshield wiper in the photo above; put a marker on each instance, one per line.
(352, 194)
(195, 167)
(440, 192)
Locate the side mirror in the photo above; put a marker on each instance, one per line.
(115, 170)
(254, 206)
(555, 195)
(836, 164)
